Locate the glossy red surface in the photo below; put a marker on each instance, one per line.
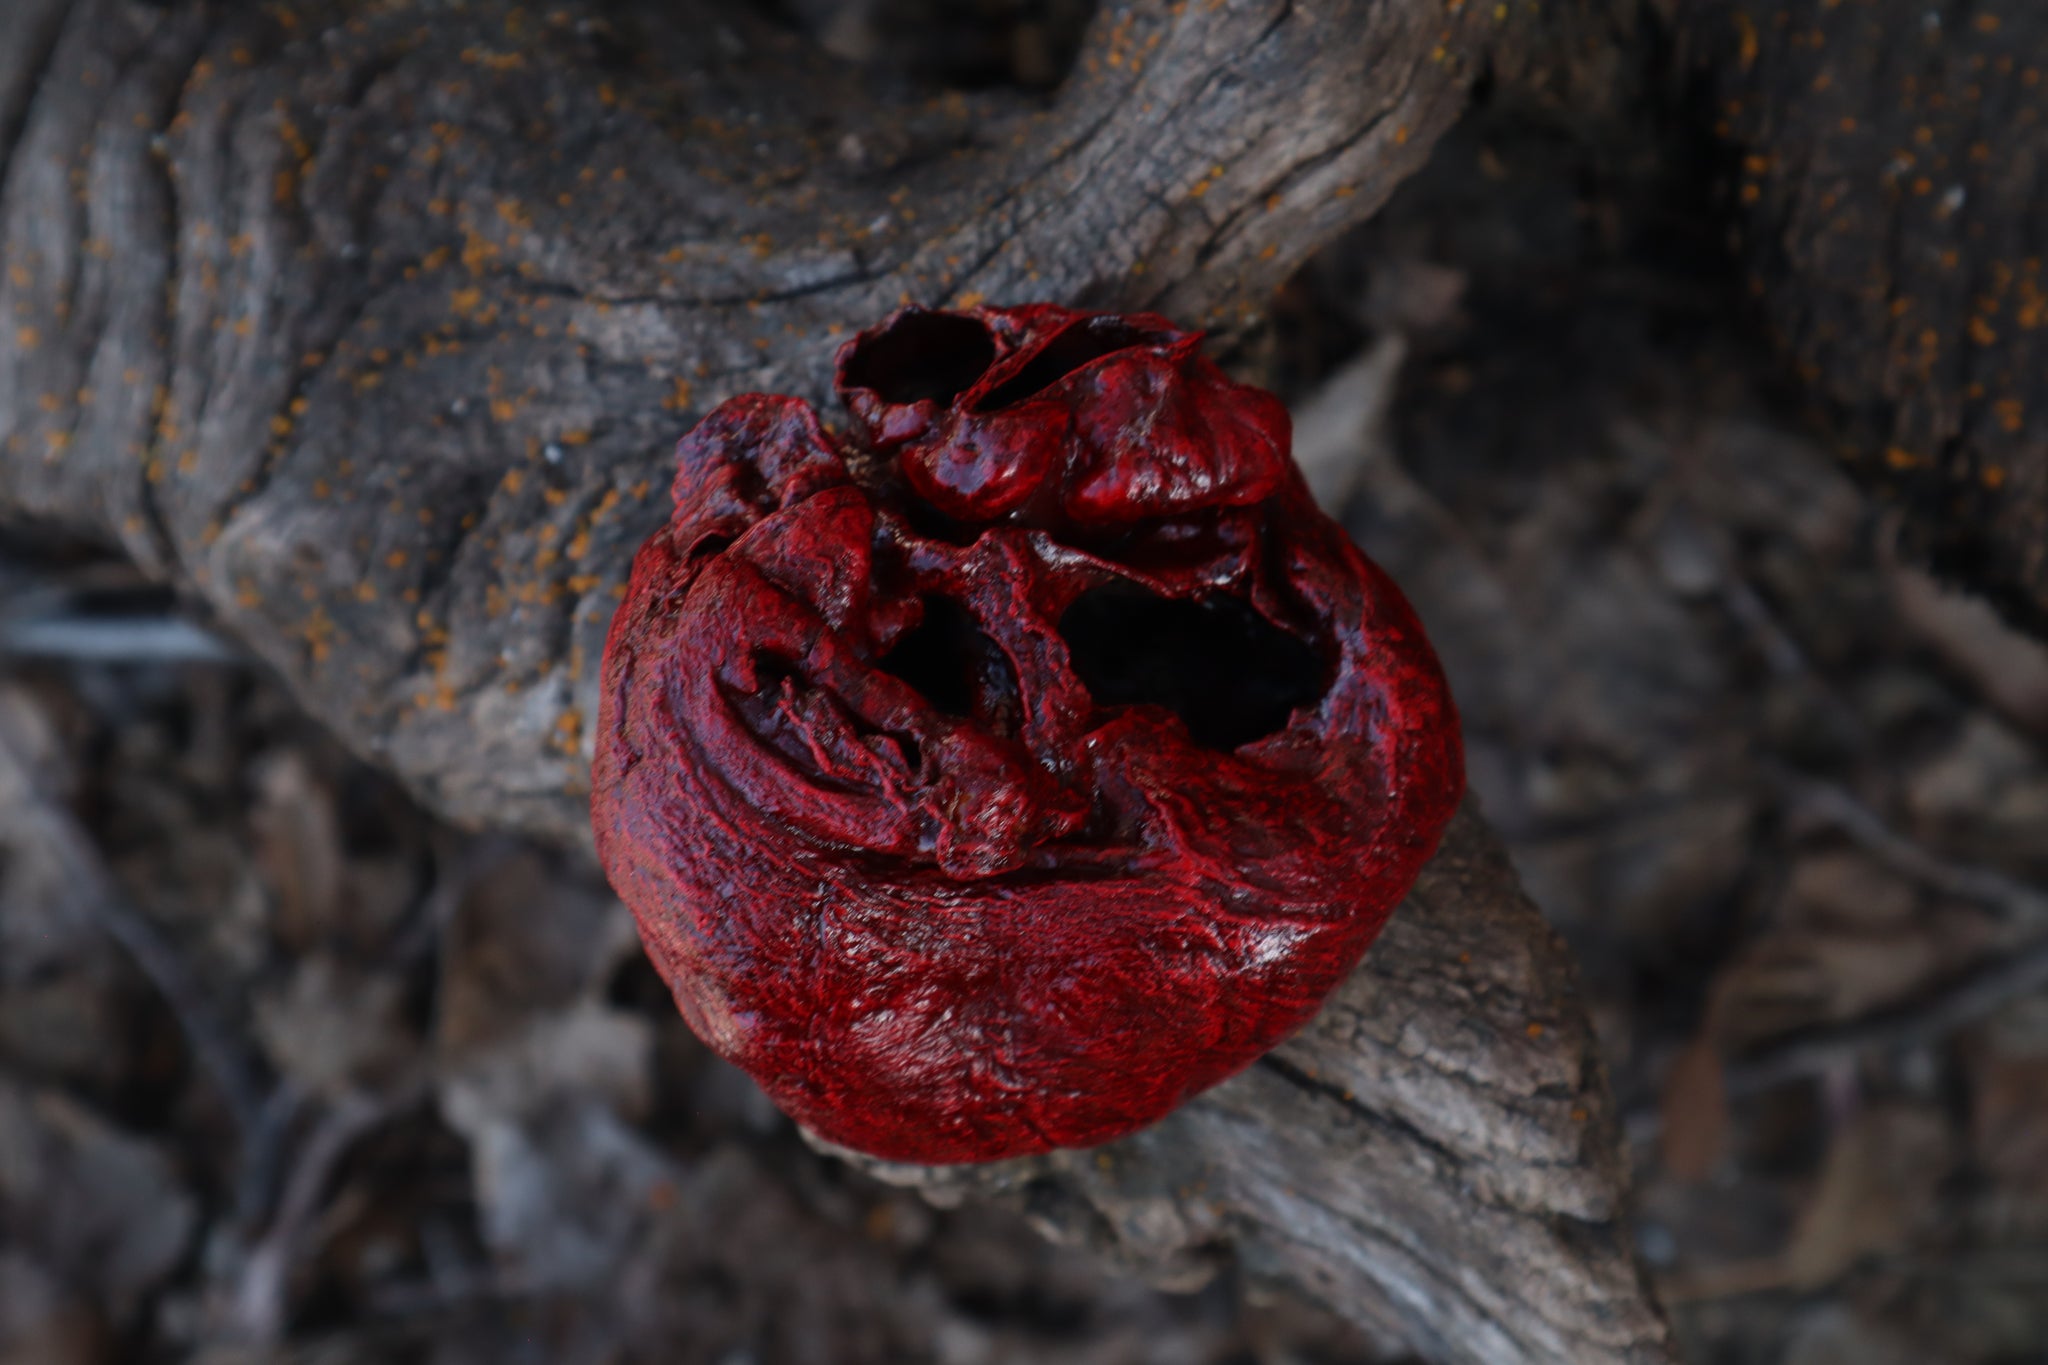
(996, 777)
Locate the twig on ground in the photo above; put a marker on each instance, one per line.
(114, 640)
(220, 1055)
(2015, 972)
(1931, 1017)
(1982, 885)
(258, 1310)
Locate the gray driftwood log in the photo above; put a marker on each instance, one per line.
(371, 324)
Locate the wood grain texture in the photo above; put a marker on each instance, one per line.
(372, 325)
(1890, 184)
(1435, 1155)
(376, 326)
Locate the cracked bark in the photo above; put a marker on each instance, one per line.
(401, 317)
(1433, 1155)
(372, 325)
(1890, 168)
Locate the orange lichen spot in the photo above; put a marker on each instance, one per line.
(2033, 306)
(1987, 23)
(55, 443)
(318, 633)
(1993, 477)
(1745, 40)
(1982, 332)
(1900, 458)
(477, 251)
(2011, 414)
(27, 338)
(366, 591)
(493, 61)
(1534, 1030)
(678, 399)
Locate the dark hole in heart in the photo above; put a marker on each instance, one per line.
(957, 668)
(1228, 672)
(924, 355)
(1069, 351)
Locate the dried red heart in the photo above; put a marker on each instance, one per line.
(996, 777)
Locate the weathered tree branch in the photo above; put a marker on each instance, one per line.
(1890, 186)
(376, 323)
(1434, 1155)
(373, 324)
